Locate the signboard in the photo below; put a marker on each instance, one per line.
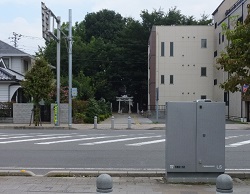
(74, 92)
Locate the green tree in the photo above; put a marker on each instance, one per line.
(104, 24)
(236, 58)
(83, 84)
(38, 84)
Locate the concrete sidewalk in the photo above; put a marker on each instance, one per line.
(121, 185)
(106, 126)
(138, 122)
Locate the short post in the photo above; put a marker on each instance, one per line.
(129, 122)
(95, 122)
(224, 184)
(104, 184)
(112, 122)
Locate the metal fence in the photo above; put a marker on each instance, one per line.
(160, 107)
(6, 110)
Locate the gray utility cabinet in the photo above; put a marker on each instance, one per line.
(195, 141)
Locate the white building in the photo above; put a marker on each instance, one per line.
(13, 66)
(236, 107)
(182, 62)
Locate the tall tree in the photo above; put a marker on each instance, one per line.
(236, 58)
(104, 24)
(38, 84)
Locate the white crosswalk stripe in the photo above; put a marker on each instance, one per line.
(118, 140)
(146, 143)
(15, 137)
(34, 139)
(233, 145)
(81, 139)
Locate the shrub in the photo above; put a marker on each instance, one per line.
(79, 118)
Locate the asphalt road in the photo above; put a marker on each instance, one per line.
(44, 150)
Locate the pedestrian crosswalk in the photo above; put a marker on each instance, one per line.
(81, 139)
(240, 141)
(92, 139)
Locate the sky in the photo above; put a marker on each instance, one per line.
(23, 17)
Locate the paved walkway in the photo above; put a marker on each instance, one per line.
(120, 122)
(121, 185)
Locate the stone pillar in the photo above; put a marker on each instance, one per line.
(119, 109)
(129, 107)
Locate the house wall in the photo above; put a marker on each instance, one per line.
(4, 92)
(17, 64)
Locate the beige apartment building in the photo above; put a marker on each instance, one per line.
(182, 62)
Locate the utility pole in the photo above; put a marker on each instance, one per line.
(15, 38)
(70, 68)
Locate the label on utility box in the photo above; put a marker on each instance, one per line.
(176, 167)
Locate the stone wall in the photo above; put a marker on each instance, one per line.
(22, 112)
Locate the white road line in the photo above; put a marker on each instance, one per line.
(118, 140)
(15, 137)
(238, 144)
(81, 139)
(35, 139)
(230, 137)
(146, 143)
(47, 135)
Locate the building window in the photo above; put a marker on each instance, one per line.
(215, 25)
(222, 38)
(162, 49)
(6, 62)
(203, 43)
(215, 82)
(171, 79)
(171, 49)
(203, 97)
(203, 71)
(26, 66)
(219, 37)
(162, 79)
(215, 53)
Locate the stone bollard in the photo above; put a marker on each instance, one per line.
(104, 184)
(112, 122)
(129, 122)
(224, 184)
(95, 122)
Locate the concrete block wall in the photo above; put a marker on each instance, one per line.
(64, 113)
(22, 113)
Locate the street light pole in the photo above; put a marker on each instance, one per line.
(70, 69)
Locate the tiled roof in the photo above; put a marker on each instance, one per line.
(10, 75)
(8, 50)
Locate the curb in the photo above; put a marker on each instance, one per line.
(16, 173)
(111, 173)
(27, 173)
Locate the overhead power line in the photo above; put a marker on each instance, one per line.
(15, 38)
